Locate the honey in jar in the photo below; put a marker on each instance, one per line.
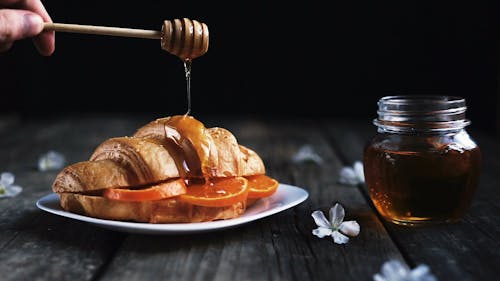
(422, 166)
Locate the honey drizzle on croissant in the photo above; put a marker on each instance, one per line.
(186, 139)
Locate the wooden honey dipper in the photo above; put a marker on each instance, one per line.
(185, 38)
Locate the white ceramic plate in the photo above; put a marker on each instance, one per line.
(286, 196)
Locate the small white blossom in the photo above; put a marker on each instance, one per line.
(50, 161)
(307, 154)
(336, 227)
(395, 270)
(7, 187)
(352, 175)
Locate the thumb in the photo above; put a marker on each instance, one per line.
(18, 24)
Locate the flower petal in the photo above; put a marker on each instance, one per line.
(52, 160)
(395, 270)
(306, 153)
(320, 219)
(350, 228)
(421, 273)
(339, 238)
(348, 176)
(322, 232)
(378, 277)
(358, 170)
(13, 190)
(337, 214)
(6, 179)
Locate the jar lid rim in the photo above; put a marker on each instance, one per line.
(421, 108)
(409, 99)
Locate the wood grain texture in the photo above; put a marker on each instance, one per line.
(280, 247)
(467, 250)
(35, 245)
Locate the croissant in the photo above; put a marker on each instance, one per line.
(176, 151)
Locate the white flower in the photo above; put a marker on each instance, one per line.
(395, 270)
(307, 154)
(7, 189)
(352, 175)
(336, 226)
(51, 160)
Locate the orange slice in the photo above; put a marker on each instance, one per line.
(155, 192)
(219, 192)
(260, 186)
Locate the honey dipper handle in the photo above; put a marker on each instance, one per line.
(103, 30)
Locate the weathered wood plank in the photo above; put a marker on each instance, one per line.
(322, 183)
(467, 250)
(280, 247)
(35, 245)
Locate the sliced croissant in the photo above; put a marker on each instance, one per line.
(167, 148)
(158, 211)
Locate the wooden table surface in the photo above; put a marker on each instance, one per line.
(36, 245)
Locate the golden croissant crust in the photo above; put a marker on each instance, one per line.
(166, 148)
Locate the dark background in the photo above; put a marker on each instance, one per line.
(293, 58)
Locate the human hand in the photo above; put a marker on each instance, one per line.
(20, 19)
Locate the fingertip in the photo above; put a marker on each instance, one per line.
(44, 40)
(45, 43)
(33, 24)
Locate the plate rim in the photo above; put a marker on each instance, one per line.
(180, 228)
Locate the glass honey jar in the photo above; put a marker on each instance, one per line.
(422, 166)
